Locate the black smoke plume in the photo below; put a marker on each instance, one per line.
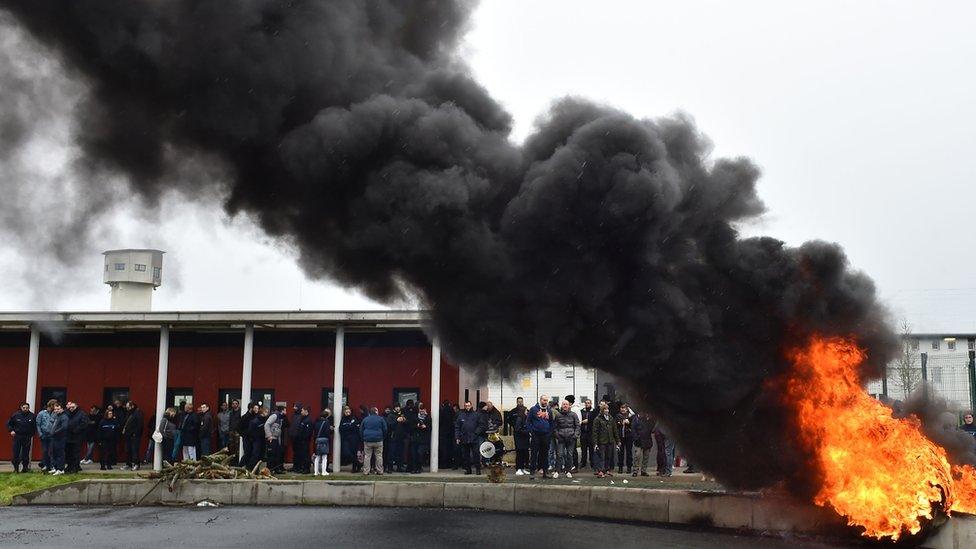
(352, 129)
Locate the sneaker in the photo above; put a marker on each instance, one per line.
(57, 472)
(135, 467)
(555, 474)
(325, 473)
(519, 473)
(569, 475)
(124, 468)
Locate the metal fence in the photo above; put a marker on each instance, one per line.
(948, 375)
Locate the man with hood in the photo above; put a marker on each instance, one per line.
(22, 425)
(566, 425)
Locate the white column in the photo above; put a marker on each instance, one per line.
(435, 403)
(32, 359)
(161, 380)
(246, 378)
(340, 345)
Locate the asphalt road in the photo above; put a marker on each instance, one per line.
(339, 527)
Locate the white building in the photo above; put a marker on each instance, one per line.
(557, 380)
(942, 360)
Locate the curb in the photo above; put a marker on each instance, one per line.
(745, 512)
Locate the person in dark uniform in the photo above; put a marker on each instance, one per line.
(21, 426)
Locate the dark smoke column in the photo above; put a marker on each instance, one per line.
(351, 129)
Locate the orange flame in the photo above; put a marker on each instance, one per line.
(879, 472)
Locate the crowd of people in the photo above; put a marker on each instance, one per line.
(550, 439)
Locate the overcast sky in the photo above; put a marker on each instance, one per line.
(861, 115)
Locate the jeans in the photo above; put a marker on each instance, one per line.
(169, 450)
(373, 450)
(606, 457)
(22, 448)
(642, 458)
(223, 439)
(132, 451)
(565, 449)
(204, 446)
(151, 451)
(470, 456)
(275, 458)
(540, 451)
(421, 449)
(45, 453)
(586, 445)
(665, 453)
(106, 451)
(58, 446)
(248, 450)
(625, 455)
(396, 454)
(90, 451)
(71, 450)
(299, 455)
(189, 452)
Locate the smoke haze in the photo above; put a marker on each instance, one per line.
(353, 131)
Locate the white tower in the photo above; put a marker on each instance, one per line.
(133, 275)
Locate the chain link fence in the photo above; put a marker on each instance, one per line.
(946, 374)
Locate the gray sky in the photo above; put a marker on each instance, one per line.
(861, 115)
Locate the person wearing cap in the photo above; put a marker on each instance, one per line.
(22, 425)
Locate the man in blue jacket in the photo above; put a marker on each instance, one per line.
(540, 429)
(21, 426)
(45, 422)
(373, 430)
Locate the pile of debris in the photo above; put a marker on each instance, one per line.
(212, 467)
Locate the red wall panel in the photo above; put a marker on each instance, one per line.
(295, 374)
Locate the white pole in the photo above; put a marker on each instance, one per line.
(246, 378)
(435, 406)
(340, 345)
(32, 359)
(161, 391)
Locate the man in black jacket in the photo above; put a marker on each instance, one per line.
(77, 427)
(189, 426)
(469, 431)
(132, 435)
(205, 440)
(302, 426)
(244, 431)
(586, 429)
(293, 427)
(22, 426)
(447, 447)
(233, 427)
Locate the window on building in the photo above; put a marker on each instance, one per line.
(935, 374)
(972, 344)
(402, 394)
(327, 396)
(59, 394)
(179, 397)
(111, 394)
(262, 397)
(951, 344)
(547, 374)
(570, 374)
(913, 344)
(140, 267)
(120, 266)
(935, 344)
(155, 272)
